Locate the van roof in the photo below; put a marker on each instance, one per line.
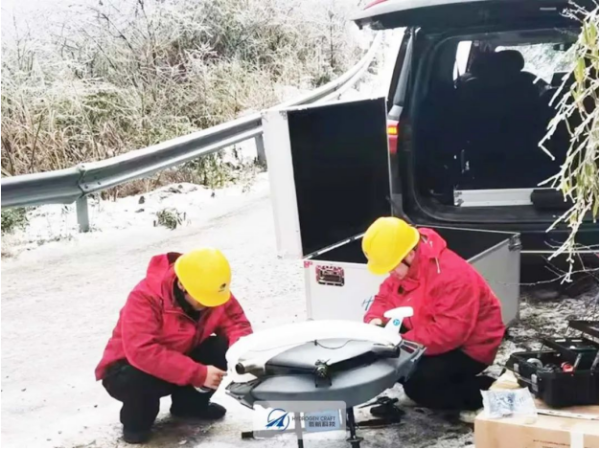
(449, 14)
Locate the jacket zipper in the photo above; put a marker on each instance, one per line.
(199, 328)
(201, 324)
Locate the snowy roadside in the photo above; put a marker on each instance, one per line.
(187, 202)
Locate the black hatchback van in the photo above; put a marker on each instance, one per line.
(471, 98)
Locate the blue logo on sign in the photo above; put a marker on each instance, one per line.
(396, 322)
(278, 419)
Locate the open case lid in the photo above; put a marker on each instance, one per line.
(318, 200)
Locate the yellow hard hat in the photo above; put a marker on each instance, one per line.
(387, 242)
(205, 275)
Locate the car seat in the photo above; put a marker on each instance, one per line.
(500, 125)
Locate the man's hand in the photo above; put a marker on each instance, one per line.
(376, 322)
(214, 377)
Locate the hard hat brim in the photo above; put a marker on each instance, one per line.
(381, 269)
(214, 300)
(378, 270)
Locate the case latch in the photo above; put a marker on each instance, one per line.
(514, 243)
(329, 275)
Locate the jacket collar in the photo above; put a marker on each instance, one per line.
(429, 250)
(168, 291)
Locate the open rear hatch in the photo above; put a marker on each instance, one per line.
(524, 208)
(453, 14)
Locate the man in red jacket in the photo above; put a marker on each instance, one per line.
(171, 339)
(456, 317)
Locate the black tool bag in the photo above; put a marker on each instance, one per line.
(565, 375)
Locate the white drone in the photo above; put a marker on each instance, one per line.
(250, 354)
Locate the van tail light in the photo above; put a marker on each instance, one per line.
(393, 130)
(374, 2)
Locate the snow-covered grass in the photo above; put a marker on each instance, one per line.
(376, 81)
(98, 79)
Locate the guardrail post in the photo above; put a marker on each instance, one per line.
(83, 215)
(260, 150)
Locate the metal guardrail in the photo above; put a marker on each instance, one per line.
(74, 184)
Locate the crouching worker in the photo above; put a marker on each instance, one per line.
(456, 317)
(163, 344)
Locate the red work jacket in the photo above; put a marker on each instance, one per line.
(154, 334)
(454, 307)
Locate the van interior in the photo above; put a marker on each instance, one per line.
(481, 104)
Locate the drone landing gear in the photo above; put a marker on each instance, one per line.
(354, 440)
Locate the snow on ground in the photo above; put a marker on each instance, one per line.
(546, 318)
(57, 224)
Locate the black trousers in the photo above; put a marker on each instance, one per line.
(140, 392)
(449, 381)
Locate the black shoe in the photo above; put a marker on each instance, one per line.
(210, 412)
(136, 437)
(387, 411)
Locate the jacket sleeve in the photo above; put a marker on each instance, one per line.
(140, 328)
(234, 324)
(381, 304)
(454, 318)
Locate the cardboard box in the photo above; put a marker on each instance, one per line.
(544, 431)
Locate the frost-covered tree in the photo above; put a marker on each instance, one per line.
(577, 110)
